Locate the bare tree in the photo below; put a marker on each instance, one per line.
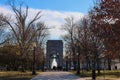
(22, 29)
(90, 46)
(83, 38)
(2, 29)
(40, 38)
(42, 34)
(69, 27)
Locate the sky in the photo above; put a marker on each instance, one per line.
(54, 12)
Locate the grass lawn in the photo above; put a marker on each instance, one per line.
(16, 75)
(105, 74)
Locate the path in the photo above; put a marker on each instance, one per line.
(57, 76)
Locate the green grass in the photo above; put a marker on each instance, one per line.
(84, 74)
(16, 75)
(108, 74)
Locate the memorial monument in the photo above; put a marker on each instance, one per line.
(54, 54)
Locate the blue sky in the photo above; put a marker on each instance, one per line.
(63, 5)
(59, 5)
(54, 12)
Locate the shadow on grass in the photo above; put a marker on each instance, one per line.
(111, 74)
(84, 74)
(16, 75)
(10, 78)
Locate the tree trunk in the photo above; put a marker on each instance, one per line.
(98, 66)
(93, 69)
(22, 65)
(66, 65)
(93, 75)
(74, 62)
(109, 64)
(94, 66)
(87, 64)
(70, 62)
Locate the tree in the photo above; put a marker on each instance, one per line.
(9, 57)
(90, 46)
(69, 27)
(24, 31)
(106, 16)
(82, 38)
(42, 34)
(2, 29)
(41, 37)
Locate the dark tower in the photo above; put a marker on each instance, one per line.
(54, 48)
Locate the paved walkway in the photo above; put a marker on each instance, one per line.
(57, 76)
(60, 75)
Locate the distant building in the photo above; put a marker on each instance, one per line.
(54, 52)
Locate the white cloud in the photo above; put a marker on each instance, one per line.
(5, 10)
(51, 18)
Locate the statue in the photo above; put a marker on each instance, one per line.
(54, 62)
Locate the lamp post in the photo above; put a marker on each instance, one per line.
(43, 63)
(67, 63)
(70, 61)
(66, 60)
(33, 66)
(78, 66)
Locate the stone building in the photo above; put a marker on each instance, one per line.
(54, 54)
